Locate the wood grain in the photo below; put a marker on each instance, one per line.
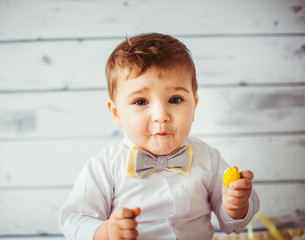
(27, 236)
(62, 66)
(66, 19)
(37, 213)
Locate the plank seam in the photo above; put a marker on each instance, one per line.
(49, 235)
(69, 187)
(56, 235)
(98, 38)
(201, 86)
(253, 134)
(117, 135)
(283, 182)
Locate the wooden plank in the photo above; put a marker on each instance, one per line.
(65, 19)
(38, 212)
(35, 237)
(55, 114)
(264, 155)
(222, 61)
(57, 162)
(283, 204)
(56, 65)
(219, 61)
(220, 111)
(250, 110)
(31, 211)
(49, 163)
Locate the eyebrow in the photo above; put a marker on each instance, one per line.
(145, 89)
(180, 89)
(138, 92)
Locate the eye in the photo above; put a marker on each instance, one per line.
(140, 102)
(175, 100)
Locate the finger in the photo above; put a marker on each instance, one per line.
(129, 234)
(122, 213)
(136, 211)
(238, 193)
(246, 174)
(128, 223)
(236, 200)
(233, 203)
(244, 183)
(229, 193)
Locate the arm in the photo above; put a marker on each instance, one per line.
(89, 203)
(230, 217)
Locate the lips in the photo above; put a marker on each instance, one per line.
(162, 131)
(161, 134)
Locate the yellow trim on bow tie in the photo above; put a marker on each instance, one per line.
(151, 171)
(130, 162)
(190, 155)
(132, 155)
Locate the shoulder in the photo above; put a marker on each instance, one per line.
(204, 154)
(198, 145)
(110, 155)
(113, 149)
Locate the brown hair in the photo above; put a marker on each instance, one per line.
(135, 55)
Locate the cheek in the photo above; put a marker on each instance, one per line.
(187, 116)
(186, 122)
(186, 128)
(135, 125)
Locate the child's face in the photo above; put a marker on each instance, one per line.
(155, 113)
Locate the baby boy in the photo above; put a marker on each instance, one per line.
(157, 182)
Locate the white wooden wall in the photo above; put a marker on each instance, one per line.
(250, 59)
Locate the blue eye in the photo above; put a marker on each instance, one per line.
(141, 102)
(175, 100)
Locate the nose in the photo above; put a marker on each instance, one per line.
(160, 113)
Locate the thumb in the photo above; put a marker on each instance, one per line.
(136, 211)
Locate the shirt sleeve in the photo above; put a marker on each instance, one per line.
(237, 225)
(89, 203)
(226, 223)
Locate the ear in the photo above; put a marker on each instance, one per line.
(113, 112)
(196, 98)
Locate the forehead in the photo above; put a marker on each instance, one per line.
(157, 74)
(165, 75)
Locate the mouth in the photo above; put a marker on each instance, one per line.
(162, 134)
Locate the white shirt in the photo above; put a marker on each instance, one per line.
(173, 205)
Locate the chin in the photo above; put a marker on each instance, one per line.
(161, 152)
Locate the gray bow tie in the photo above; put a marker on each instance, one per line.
(178, 161)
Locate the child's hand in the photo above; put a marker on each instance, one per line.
(235, 199)
(120, 225)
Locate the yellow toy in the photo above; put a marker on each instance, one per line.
(230, 175)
